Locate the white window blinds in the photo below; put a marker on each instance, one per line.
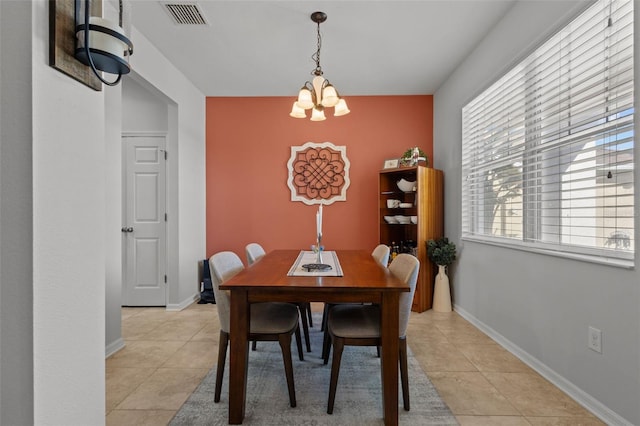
(547, 150)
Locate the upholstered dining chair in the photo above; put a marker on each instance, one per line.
(381, 255)
(254, 252)
(270, 321)
(359, 325)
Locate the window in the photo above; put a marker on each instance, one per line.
(547, 150)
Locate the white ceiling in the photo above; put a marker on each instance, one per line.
(264, 48)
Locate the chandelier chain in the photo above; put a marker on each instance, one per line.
(316, 56)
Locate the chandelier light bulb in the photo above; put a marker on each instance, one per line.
(329, 96)
(341, 108)
(305, 99)
(297, 112)
(317, 114)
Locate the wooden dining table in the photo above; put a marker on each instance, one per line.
(363, 280)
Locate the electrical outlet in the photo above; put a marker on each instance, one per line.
(595, 340)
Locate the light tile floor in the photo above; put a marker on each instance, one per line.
(168, 353)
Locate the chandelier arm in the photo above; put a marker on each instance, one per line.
(310, 88)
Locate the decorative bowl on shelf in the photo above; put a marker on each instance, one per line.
(414, 219)
(406, 186)
(406, 205)
(390, 219)
(403, 219)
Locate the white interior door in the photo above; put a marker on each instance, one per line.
(144, 227)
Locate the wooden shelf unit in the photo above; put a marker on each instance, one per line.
(428, 205)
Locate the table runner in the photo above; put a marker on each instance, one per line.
(308, 257)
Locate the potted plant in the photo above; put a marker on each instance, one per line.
(412, 156)
(442, 252)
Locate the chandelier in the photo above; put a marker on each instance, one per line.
(319, 93)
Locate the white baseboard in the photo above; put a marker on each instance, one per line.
(598, 409)
(185, 303)
(114, 347)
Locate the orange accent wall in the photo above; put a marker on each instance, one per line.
(249, 143)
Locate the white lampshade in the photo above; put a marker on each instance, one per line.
(341, 108)
(108, 45)
(329, 96)
(305, 100)
(297, 112)
(317, 114)
(102, 41)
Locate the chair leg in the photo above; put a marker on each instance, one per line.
(326, 342)
(326, 346)
(222, 356)
(299, 344)
(285, 345)
(305, 326)
(309, 315)
(325, 312)
(338, 346)
(253, 345)
(404, 376)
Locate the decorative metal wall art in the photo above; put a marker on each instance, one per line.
(318, 173)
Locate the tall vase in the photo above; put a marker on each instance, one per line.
(442, 292)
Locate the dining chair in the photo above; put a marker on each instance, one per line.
(254, 252)
(359, 325)
(269, 321)
(381, 255)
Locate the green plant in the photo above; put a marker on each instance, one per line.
(441, 251)
(408, 156)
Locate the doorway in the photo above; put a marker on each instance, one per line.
(144, 227)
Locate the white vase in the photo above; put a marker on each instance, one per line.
(442, 293)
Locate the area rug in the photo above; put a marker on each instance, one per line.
(358, 396)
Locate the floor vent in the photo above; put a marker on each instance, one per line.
(186, 13)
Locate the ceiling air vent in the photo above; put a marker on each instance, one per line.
(186, 13)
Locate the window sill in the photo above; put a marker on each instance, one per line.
(602, 260)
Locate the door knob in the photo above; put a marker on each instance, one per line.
(127, 229)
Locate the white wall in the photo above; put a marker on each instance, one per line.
(539, 306)
(68, 241)
(60, 214)
(16, 206)
(143, 110)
